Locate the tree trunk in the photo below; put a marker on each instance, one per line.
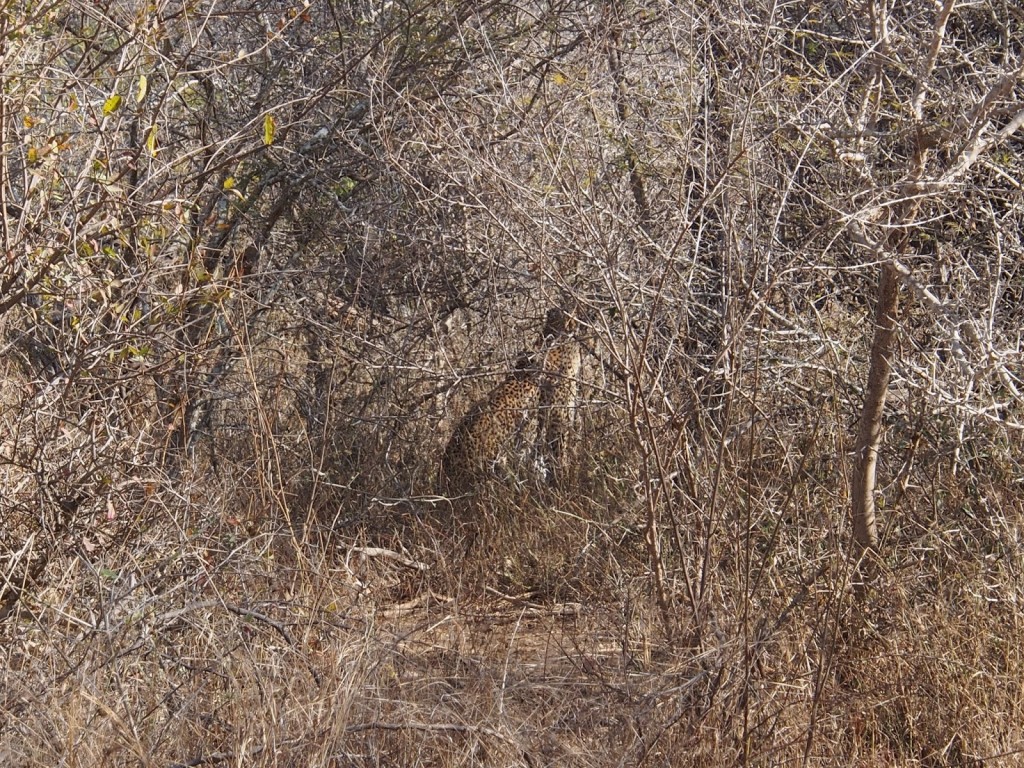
(869, 436)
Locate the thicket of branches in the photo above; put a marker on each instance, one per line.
(260, 258)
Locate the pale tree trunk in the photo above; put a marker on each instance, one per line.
(869, 436)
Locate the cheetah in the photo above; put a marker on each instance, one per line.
(489, 426)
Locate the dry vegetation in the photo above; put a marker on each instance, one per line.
(261, 257)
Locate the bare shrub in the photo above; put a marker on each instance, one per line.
(260, 260)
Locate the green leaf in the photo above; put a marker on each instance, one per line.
(345, 186)
(269, 130)
(112, 104)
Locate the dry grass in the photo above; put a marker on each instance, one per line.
(531, 640)
(232, 354)
(258, 612)
(303, 598)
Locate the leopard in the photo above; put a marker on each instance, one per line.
(535, 404)
(489, 427)
(557, 407)
(559, 393)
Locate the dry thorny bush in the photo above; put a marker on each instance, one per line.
(246, 302)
